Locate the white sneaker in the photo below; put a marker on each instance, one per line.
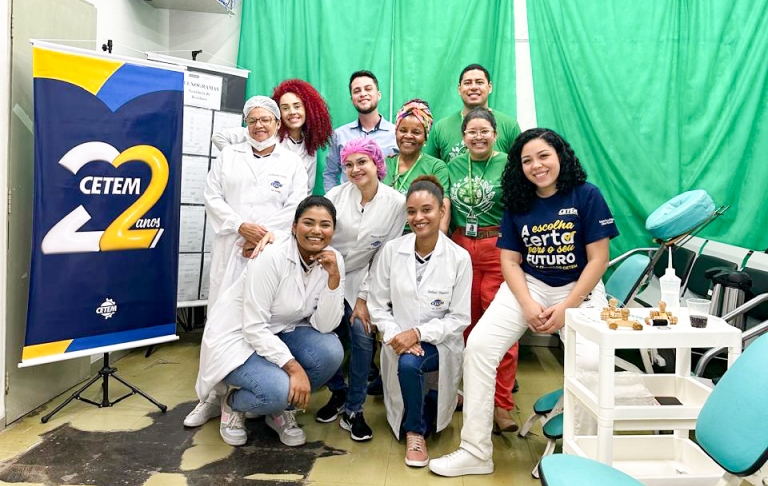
(286, 427)
(203, 412)
(460, 463)
(232, 429)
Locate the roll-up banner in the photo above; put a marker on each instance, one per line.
(106, 204)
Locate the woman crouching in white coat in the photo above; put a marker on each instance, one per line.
(270, 332)
(420, 301)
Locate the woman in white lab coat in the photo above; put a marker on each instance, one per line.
(369, 214)
(252, 187)
(271, 332)
(419, 300)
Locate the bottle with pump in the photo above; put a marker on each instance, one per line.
(670, 286)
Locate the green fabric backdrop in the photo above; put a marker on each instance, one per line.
(415, 49)
(658, 98)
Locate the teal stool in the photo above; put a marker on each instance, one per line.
(542, 409)
(547, 410)
(562, 469)
(553, 430)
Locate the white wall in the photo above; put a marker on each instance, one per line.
(218, 35)
(133, 25)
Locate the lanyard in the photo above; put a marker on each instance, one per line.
(401, 179)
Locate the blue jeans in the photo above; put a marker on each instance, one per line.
(359, 362)
(264, 386)
(410, 374)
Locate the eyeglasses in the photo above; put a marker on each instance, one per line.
(485, 133)
(264, 120)
(351, 165)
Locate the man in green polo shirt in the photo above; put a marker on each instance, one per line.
(446, 140)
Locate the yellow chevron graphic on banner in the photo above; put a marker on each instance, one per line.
(90, 73)
(47, 349)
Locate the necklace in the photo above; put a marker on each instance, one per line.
(305, 266)
(421, 264)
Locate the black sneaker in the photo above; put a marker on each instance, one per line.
(355, 424)
(331, 410)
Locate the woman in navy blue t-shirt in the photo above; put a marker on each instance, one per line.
(554, 251)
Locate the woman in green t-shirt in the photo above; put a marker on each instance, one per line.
(476, 210)
(412, 126)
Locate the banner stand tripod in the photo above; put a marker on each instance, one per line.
(105, 373)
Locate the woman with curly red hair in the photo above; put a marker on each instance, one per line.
(305, 124)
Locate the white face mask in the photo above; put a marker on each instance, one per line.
(261, 146)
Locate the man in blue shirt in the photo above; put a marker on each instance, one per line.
(365, 94)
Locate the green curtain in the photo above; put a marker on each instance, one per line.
(434, 40)
(415, 49)
(658, 98)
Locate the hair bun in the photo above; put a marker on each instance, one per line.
(429, 183)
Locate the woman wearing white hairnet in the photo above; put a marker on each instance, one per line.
(253, 187)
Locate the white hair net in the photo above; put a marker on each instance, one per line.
(261, 102)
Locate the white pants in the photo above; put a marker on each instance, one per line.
(500, 327)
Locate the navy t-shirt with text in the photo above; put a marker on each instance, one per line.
(553, 236)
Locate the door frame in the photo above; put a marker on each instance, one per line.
(5, 114)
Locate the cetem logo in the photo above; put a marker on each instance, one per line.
(107, 308)
(276, 184)
(437, 303)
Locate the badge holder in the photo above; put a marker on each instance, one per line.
(471, 227)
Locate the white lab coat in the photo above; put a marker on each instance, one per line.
(439, 306)
(269, 297)
(241, 188)
(361, 232)
(230, 136)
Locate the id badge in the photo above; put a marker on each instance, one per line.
(471, 228)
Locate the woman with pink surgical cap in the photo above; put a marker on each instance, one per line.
(369, 213)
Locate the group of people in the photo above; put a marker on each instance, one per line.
(445, 243)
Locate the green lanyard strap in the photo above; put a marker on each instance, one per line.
(401, 179)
